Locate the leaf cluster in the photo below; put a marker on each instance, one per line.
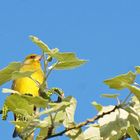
(112, 122)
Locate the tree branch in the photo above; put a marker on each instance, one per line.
(91, 120)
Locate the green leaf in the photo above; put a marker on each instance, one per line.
(111, 125)
(6, 73)
(20, 74)
(135, 90)
(66, 56)
(5, 111)
(6, 90)
(132, 133)
(75, 134)
(69, 65)
(20, 123)
(70, 111)
(36, 101)
(92, 133)
(137, 68)
(40, 43)
(121, 81)
(43, 46)
(42, 134)
(67, 61)
(15, 103)
(54, 108)
(110, 95)
(97, 106)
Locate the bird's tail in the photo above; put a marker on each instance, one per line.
(15, 133)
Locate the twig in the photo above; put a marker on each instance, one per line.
(45, 80)
(91, 120)
(126, 98)
(50, 69)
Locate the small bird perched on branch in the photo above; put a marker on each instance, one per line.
(28, 85)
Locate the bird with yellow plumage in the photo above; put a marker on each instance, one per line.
(28, 85)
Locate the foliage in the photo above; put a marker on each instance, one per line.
(112, 122)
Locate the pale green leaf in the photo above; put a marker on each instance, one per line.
(20, 123)
(6, 73)
(69, 65)
(16, 102)
(6, 90)
(70, 111)
(66, 56)
(111, 125)
(42, 134)
(40, 43)
(137, 68)
(135, 90)
(54, 108)
(97, 106)
(92, 133)
(132, 133)
(110, 95)
(44, 46)
(67, 60)
(121, 81)
(20, 74)
(75, 134)
(36, 101)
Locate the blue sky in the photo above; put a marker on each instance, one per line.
(105, 32)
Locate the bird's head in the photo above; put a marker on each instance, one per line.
(32, 58)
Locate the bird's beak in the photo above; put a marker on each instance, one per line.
(38, 58)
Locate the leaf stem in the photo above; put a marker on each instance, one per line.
(127, 97)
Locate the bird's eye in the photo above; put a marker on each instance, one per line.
(32, 56)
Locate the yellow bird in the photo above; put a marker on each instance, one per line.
(28, 85)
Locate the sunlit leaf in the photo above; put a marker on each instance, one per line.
(40, 43)
(111, 125)
(20, 74)
(136, 104)
(70, 111)
(37, 101)
(6, 73)
(69, 65)
(132, 133)
(110, 95)
(43, 46)
(135, 90)
(67, 60)
(92, 133)
(121, 81)
(55, 107)
(42, 134)
(6, 90)
(97, 106)
(137, 69)
(16, 102)
(66, 56)
(20, 123)
(75, 134)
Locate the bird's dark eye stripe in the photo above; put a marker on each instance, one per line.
(32, 56)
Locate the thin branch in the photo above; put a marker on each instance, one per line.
(126, 98)
(50, 69)
(91, 120)
(45, 80)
